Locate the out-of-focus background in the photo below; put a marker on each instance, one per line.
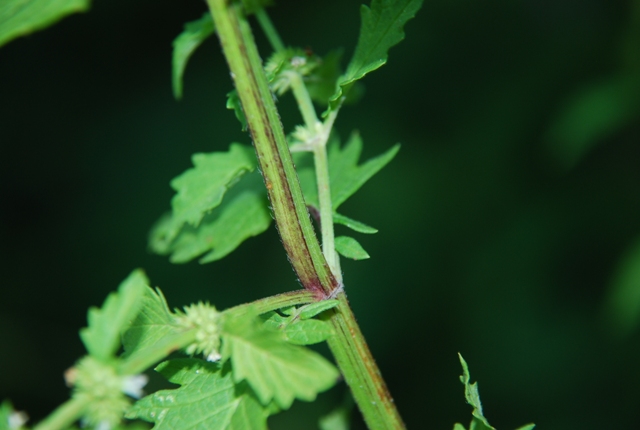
(509, 222)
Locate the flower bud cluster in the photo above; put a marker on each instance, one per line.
(208, 323)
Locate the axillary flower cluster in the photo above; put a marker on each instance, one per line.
(207, 322)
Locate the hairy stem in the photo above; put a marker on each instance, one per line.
(348, 346)
(291, 298)
(65, 415)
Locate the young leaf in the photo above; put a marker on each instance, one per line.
(102, 336)
(207, 399)
(353, 224)
(313, 309)
(22, 17)
(381, 28)
(276, 370)
(242, 214)
(153, 323)
(346, 175)
(350, 248)
(472, 396)
(308, 332)
(194, 33)
(233, 103)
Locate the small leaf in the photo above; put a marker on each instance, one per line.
(22, 17)
(527, 427)
(472, 395)
(313, 309)
(234, 104)
(194, 33)
(153, 323)
(353, 224)
(458, 426)
(308, 332)
(276, 370)
(381, 28)
(350, 248)
(335, 420)
(208, 399)
(102, 336)
(346, 175)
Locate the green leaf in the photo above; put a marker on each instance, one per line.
(22, 17)
(252, 6)
(308, 332)
(276, 370)
(242, 214)
(472, 395)
(350, 248)
(346, 176)
(201, 188)
(321, 82)
(313, 309)
(234, 104)
(102, 336)
(527, 427)
(194, 33)
(381, 28)
(208, 399)
(353, 224)
(153, 323)
(622, 306)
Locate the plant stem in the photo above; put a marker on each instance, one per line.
(290, 212)
(291, 298)
(281, 179)
(145, 358)
(65, 415)
(305, 104)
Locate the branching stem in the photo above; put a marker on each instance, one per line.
(292, 218)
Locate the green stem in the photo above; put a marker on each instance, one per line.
(291, 298)
(143, 359)
(65, 415)
(281, 179)
(269, 30)
(348, 346)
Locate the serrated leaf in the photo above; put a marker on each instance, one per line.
(471, 394)
(201, 188)
(208, 399)
(381, 28)
(194, 33)
(102, 336)
(21, 17)
(346, 175)
(242, 214)
(276, 370)
(353, 224)
(312, 309)
(234, 104)
(350, 248)
(153, 323)
(308, 332)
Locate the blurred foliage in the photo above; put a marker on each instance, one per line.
(485, 246)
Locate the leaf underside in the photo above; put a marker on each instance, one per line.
(350, 248)
(22, 17)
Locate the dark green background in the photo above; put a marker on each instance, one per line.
(487, 245)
